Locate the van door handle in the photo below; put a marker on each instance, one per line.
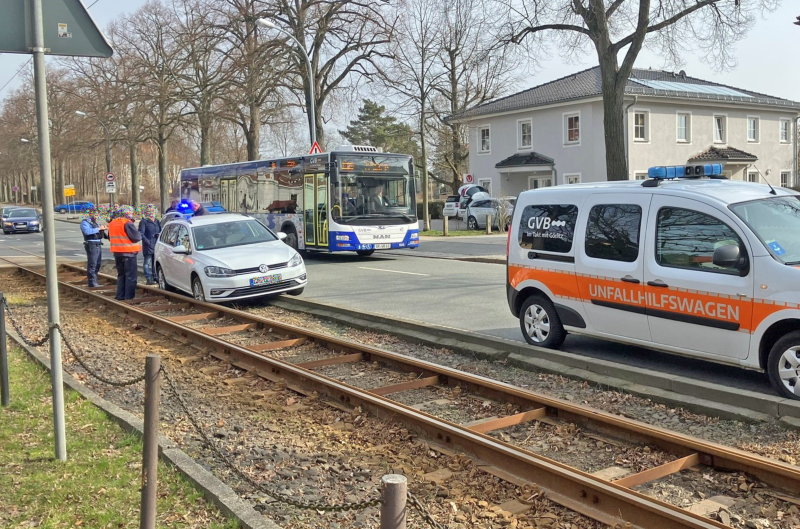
(657, 283)
(630, 279)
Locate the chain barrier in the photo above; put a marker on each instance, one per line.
(282, 498)
(423, 511)
(18, 328)
(98, 376)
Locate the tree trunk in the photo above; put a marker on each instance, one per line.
(163, 177)
(205, 141)
(613, 118)
(253, 133)
(135, 198)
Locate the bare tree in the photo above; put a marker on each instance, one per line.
(613, 27)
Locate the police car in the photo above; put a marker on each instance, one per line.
(686, 262)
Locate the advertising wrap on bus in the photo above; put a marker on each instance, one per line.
(337, 201)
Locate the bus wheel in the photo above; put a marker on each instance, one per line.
(291, 238)
(365, 253)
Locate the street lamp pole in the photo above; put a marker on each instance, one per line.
(312, 127)
(108, 148)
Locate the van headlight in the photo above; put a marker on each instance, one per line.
(218, 271)
(295, 261)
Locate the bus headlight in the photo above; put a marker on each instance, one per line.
(342, 237)
(218, 271)
(296, 260)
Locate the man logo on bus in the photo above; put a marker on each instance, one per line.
(544, 223)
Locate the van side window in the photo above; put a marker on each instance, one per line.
(549, 228)
(687, 239)
(612, 232)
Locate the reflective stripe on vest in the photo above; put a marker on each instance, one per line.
(120, 243)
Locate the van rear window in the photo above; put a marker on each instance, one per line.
(548, 228)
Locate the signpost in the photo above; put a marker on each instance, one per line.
(111, 186)
(315, 148)
(64, 27)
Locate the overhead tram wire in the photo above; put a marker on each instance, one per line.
(31, 60)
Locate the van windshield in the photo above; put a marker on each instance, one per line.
(776, 221)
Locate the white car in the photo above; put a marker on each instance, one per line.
(478, 211)
(450, 208)
(226, 257)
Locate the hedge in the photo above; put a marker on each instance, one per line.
(435, 208)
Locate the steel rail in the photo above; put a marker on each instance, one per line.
(597, 498)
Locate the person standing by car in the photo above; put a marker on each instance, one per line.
(126, 243)
(173, 206)
(198, 209)
(93, 234)
(149, 228)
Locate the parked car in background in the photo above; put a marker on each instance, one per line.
(22, 220)
(479, 211)
(78, 206)
(451, 206)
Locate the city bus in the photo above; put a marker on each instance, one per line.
(353, 199)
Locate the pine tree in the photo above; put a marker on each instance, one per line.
(374, 127)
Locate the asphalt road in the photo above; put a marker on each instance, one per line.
(458, 294)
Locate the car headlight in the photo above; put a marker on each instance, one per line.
(296, 260)
(7, 224)
(218, 271)
(34, 223)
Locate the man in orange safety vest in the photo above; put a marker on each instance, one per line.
(126, 243)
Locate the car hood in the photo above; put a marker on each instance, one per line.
(20, 219)
(248, 255)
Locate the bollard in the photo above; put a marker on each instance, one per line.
(152, 396)
(446, 225)
(3, 353)
(488, 224)
(394, 490)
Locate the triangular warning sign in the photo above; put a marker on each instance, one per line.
(315, 149)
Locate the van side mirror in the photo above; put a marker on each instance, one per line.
(730, 256)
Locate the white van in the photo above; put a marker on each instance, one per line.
(699, 266)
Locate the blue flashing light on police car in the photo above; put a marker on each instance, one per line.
(662, 172)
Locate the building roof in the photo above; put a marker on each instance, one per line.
(651, 83)
(524, 159)
(728, 154)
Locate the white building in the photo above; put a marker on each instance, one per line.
(552, 134)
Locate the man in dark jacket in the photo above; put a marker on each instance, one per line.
(198, 209)
(93, 234)
(150, 228)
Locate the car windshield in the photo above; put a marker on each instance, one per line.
(776, 221)
(227, 234)
(21, 213)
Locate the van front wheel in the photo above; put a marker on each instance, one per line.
(540, 323)
(783, 366)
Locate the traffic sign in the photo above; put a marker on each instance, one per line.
(110, 177)
(69, 192)
(111, 187)
(15, 189)
(468, 178)
(315, 149)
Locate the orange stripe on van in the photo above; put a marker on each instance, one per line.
(561, 284)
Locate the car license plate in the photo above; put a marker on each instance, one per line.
(274, 279)
(20, 224)
(382, 246)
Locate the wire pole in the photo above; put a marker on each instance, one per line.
(51, 272)
(152, 398)
(3, 353)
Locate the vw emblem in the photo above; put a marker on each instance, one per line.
(263, 269)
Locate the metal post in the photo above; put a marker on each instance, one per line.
(3, 353)
(152, 397)
(51, 273)
(312, 128)
(446, 225)
(488, 224)
(394, 490)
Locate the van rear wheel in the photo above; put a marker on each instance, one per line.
(783, 365)
(540, 323)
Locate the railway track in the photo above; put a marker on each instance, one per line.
(264, 347)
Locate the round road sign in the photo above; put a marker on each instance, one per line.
(15, 189)
(110, 177)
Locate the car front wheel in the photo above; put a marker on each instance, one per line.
(197, 290)
(540, 323)
(783, 365)
(472, 223)
(62, 210)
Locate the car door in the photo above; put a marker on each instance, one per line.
(166, 260)
(182, 262)
(610, 264)
(692, 303)
(479, 210)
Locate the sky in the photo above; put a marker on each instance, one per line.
(767, 61)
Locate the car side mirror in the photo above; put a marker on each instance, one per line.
(730, 256)
(281, 236)
(180, 249)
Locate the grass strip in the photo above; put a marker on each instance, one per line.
(99, 485)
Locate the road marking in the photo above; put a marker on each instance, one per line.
(393, 271)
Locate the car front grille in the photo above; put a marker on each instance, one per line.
(255, 269)
(262, 289)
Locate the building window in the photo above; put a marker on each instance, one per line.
(720, 129)
(785, 176)
(572, 129)
(486, 184)
(684, 127)
(752, 177)
(572, 178)
(784, 131)
(536, 182)
(612, 232)
(640, 126)
(524, 134)
(640, 176)
(752, 129)
(484, 140)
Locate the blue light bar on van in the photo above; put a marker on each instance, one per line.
(670, 172)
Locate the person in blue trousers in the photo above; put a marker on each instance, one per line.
(93, 234)
(150, 228)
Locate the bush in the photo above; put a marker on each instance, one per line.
(435, 208)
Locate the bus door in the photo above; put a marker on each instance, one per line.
(315, 213)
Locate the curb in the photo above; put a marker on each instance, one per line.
(213, 489)
(674, 390)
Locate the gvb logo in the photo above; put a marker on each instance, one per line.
(544, 223)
